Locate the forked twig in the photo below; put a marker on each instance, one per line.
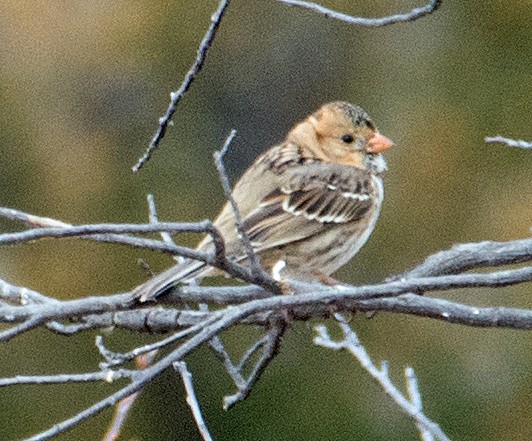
(270, 350)
(352, 344)
(415, 398)
(123, 407)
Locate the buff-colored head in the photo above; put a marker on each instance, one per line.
(342, 133)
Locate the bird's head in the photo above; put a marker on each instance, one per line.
(342, 133)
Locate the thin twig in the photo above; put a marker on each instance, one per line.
(124, 406)
(119, 238)
(96, 229)
(23, 296)
(121, 412)
(219, 162)
(115, 359)
(254, 263)
(519, 143)
(192, 400)
(415, 399)
(154, 219)
(236, 372)
(31, 219)
(352, 344)
(176, 96)
(117, 234)
(271, 349)
(219, 350)
(108, 376)
(29, 324)
(251, 351)
(414, 14)
(70, 329)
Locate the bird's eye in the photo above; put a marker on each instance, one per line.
(348, 139)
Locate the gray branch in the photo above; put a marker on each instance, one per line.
(411, 407)
(519, 143)
(248, 304)
(192, 400)
(412, 15)
(176, 96)
(256, 304)
(107, 376)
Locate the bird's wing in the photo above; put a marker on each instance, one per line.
(307, 198)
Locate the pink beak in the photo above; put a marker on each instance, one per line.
(379, 143)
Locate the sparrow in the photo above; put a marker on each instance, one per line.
(307, 204)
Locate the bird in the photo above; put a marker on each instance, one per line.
(307, 205)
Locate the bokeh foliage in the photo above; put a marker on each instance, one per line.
(82, 86)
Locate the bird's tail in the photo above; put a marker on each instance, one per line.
(163, 282)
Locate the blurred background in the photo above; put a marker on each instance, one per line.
(82, 85)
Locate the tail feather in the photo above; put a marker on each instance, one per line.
(163, 282)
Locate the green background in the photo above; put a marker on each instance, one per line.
(82, 85)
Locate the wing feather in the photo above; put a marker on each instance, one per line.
(310, 196)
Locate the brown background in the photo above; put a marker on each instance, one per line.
(82, 85)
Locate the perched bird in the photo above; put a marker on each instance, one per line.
(309, 203)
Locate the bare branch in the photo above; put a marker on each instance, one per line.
(21, 295)
(107, 376)
(314, 297)
(519, 143)
(306, 295)
(119, 417)
(414, 14)
(117, 234)
(154, 219)
(191, 399)
(415, 399)
(356, 298)
(98, 229)
(352, 344)
(256, 306)
(124, 406)
(176, 96)
(219, 162)
(270, 344)
(221, 321)
(410, 304)
(114, 358)
(271, 349)
(254, 262)
(452, 312)
(252, 350)
(235, 373)
(30, 219)
(147, 375)
(159, 320)
(464, 257)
